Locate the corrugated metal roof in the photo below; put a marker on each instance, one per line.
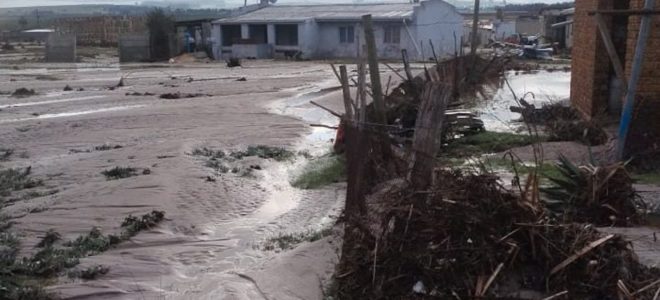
(324, 13)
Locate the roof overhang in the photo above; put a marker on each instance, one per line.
(561, 24)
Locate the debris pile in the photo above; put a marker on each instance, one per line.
(23, 92)
(467, 237)
(179, 95)
(562, 123)
(233, 62)
(602, 195)
(418, 230)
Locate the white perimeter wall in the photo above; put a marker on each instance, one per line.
(437, 21)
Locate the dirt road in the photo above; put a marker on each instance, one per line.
(213, 229)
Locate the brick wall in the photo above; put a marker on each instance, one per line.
(591, 71)
(590, 64)
(645, 132)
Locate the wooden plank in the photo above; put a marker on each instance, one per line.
(611, 51)
(346, 90)
(580, 253)
(624, 12)
(406, 64)
(374, 72)
(428, 128)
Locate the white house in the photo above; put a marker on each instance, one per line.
(335, 31)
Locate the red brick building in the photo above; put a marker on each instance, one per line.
(595, 89)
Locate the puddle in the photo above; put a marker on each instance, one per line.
(547, 87)
(49, 102)
(70, 114)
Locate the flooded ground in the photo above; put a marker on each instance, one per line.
(537, 87)
(213, 230)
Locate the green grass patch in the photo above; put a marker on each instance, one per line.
(494, 164)
(647, 178)
(321, 172)
(486, 142)
(265, 152)
(291, 240)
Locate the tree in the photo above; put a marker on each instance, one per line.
(161, 29)
(22, 22)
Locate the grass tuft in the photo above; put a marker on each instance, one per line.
(49, 239)
(321, 172)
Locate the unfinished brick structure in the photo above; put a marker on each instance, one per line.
(101, 30)
(594, 87)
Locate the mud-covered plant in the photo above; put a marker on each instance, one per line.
(119, 173)
(106, 147)
(12, 180)
(603, 195)
(49, 239)
(5, 154)
(132, 224)
(89, 273)
(265, 152)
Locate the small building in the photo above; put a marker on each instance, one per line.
(595, 88)
(563, 30)
(335, 31)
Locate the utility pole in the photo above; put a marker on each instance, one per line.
(475, 29)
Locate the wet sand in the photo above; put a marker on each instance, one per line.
(212, 229)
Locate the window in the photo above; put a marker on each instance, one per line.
(286, 35)
(392, 35)
(230, 34)
(346, 34)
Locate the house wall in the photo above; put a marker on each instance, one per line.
(529, 26)
(437, 21)
(329, 45)
(504, 29)
(645, 131)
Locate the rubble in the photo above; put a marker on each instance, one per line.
(562, 123)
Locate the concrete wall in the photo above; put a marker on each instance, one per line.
(134, 48)
(61, 48)
(437, 21)
(252, 51)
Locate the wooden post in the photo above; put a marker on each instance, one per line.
(635, 73)
(362, 92)
(611, 51)
(475, 29)
(428, 130)
(374, 73)
(348, 103)
(406, 65)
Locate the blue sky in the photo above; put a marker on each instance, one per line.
(204, 3)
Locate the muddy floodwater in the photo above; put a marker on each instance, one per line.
(537, 87)
(209, 246)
